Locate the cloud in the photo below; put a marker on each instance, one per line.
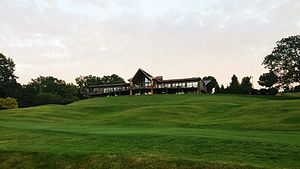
(176, 38)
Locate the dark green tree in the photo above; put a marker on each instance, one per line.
(217, 89)
(222, 89)
(246, 85)
(84, 82)
(234, 86)
(48, 90)
(112, 79)
(212, 83)
(8, 81)
(284, 61)
(48, 84)
(268, 79)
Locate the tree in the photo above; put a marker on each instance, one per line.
(268, 79)
(284, 61)
(212, 84)
(246, 85)
(46, 90)
(222, 89)
(48, 84)
(84, 82)
(217, 89)
(112, 79)
(8, 81)
(234, 86)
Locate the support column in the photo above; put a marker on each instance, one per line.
(130, 88)
(199, 88)
(152, 85)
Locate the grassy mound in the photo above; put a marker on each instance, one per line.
(159, 131)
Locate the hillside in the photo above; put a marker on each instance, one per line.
(159, 131)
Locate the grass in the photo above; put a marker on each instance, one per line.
(159, 131)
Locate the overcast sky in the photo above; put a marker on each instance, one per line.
(173, 38)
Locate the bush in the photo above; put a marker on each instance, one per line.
(8, 103)
(47, 98)
(263, 91)
(68, 100)
(271, 91)
(254, 92)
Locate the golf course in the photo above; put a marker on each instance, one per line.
(155, 131)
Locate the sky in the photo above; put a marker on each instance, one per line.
(172, 38)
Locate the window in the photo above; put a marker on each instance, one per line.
(168, 85)
(147, 82)
(96, 90)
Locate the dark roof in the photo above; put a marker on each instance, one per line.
(144, 72)
(111, 85)
(181, 80)
(147, 74)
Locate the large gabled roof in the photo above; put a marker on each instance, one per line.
(142, 71)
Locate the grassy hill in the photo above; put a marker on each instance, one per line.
(159, 131)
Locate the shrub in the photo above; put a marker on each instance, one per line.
(272, 91)
(68, 100)
(254, 92)
(263, 91)
(50, 98)
(8, 103)
(47, 98)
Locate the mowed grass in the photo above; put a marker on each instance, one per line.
(159, 131)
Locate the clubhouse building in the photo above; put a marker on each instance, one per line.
(142, 83)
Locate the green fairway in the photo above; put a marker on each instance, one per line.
(159, 131)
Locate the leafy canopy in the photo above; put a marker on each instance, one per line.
(268, 79)
(212, 84)
(8, 80)
(284, 61)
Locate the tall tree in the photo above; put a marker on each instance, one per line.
(222, 89)
(284, 61)
(212, 83)
(246, 85)
(268, 79)
(8, 81)
(112, 79)
(234, 86)
(84, 82)
(48, 84)
(217, 89)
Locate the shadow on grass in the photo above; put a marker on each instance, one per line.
(26, 160)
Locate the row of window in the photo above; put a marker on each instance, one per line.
(174, 85)
(109, 89)
(163, 85)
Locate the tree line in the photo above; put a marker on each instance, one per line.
(283, 65)
(45, 90)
